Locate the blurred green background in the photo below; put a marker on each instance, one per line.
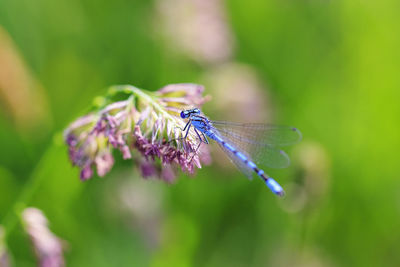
(330, 68)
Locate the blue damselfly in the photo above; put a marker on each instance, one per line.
(246, 144)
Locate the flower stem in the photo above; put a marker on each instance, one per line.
(141, 93)
(10, 220)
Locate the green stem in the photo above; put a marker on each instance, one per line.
(141, 93)
(11, 218)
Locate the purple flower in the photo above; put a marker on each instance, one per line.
(126, 153)
(167, 173)
(145, 127)
(104, 163)
(168, 154)
(175, 97)
(86, 172)
(148, 169)
(47, 246)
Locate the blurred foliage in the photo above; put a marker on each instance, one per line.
(332, 71)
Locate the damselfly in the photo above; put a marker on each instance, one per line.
(246, 144)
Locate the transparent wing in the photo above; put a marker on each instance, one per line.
(238, 163)
(262, 134)
(260, 141)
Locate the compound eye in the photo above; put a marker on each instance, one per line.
(183, 116)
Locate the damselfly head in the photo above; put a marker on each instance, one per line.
(189, 112)
(184, 114)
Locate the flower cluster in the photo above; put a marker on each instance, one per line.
(48, 247)
(129, 119)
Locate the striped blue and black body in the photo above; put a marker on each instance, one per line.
(204, 128)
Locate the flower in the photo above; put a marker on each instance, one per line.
(48, 247)
(144, 126)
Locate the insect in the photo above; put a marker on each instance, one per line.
(246, 144)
